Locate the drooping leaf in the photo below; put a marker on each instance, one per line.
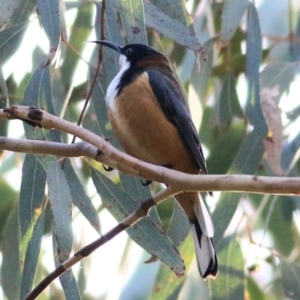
(246, 161)
(10, 40)
(49, 12)
(4, 89)
(31, 195)
(278, 75)
(229, 101)
(132, 16)
(231, 279)
(179, 225)
(145, 232)
(7, 8)
(253, 60)
(67, 279)
(108, 71)
(278, 220)
(232, 14)
(38, 94)
(254, 291)
(175, 9)
(32, 255)
(224, 147)
(291, 279)
(22, 12)
(133, 186)
(61, 205)
(79, 35)
(223, 213)
(80, 198)
(167, 286)
(11, 264)
(249, 155)
(174, 29)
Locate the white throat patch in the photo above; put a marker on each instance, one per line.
(112, 88)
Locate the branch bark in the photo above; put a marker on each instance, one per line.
(132, 166)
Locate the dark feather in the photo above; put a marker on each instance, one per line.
(173, 104)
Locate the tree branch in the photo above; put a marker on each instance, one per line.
(133, 218)
(132, 166)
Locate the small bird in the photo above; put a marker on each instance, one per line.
(151, 120)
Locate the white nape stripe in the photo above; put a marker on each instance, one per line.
(112, 88)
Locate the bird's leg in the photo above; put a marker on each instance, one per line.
(99, 153)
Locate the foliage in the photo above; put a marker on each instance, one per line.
(243, 94)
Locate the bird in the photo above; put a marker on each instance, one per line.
(149, 115)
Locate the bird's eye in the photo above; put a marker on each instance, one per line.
(128, 51)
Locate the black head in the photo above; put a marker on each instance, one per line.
(132, 52)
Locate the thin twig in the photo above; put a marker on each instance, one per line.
(137, 215)
(99, 65)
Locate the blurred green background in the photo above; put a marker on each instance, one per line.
(244, 98)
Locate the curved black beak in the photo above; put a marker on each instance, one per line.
(109, 44)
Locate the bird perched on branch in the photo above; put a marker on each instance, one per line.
(149, 115)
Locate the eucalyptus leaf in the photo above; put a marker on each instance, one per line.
(145, 232)
(60, 199)
(232, 14)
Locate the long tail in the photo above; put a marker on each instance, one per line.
(202, 232)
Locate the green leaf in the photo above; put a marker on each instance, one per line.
(80, 198)
(10, 40)
(112, 25)
(3, 86)
(79, 34)
(49, 12)
(7, 8)
(8, 197)
(249, 155)
(32, 255)
(11, 263)
(291, 279)
(108, 71)
(167, 286)
(232, 14)
(230, 283)
(138, 192)
(278, 75)
(31, 196)
(67, 279)
(175, 9)
(253, 60)
(246, 161)
(179, 225)
(38, 94)
(229, 101)
(278, 216)
(223, 214)
(254, 291)
(22, 12)
(133, 20)
(145, 232)
(172, 28)
(224, 147)
(61, 205)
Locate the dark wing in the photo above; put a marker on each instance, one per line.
(172, 102)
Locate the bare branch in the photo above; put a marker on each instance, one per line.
(135, 167)
(137, 215)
